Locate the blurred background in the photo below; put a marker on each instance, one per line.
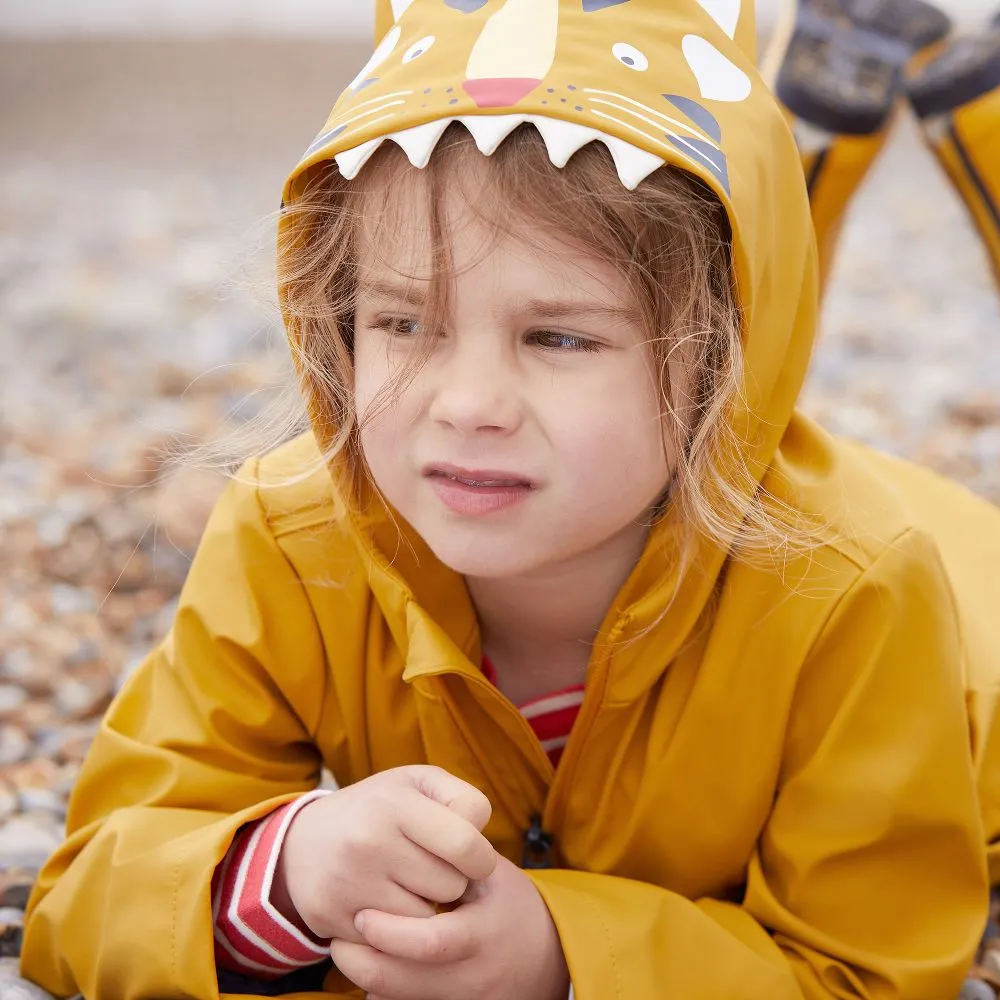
(143, 146)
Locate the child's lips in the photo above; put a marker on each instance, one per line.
(479, 478)
(478, 499)
(477, 492)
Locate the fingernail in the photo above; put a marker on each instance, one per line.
(359, 923)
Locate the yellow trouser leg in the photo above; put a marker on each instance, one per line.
(833, 172)
(967, 144)
(836, 66)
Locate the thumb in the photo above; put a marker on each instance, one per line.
(457, 795)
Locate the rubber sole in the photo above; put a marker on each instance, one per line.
(968, 69)
(843, 61)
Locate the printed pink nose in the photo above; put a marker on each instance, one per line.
(500, 91)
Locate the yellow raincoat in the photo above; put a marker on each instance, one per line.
(769, 796)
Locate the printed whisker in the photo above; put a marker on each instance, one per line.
(370, 111)
(354, 105)
(694, 150)
(341, 130)
(362, 128)
(659, 114)
(628, 111)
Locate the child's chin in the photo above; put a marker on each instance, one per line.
(487, 560)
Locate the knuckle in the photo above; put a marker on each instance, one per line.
(467, 843)
(453, 888)
(435, 948)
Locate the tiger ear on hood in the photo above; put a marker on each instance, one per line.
(735, 17)
(387, 13)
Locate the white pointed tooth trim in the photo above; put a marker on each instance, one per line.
(489, 131)
(563, 139)
(352, 160)
(634, 165)
(418, 143)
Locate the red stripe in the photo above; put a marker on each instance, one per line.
(244, 948)
(553, 725)
(250, 906)
(548, 725)
(251, 910)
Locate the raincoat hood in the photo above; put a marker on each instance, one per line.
(658, 84)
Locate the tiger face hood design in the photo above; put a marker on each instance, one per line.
(494, 66)
(658, 84)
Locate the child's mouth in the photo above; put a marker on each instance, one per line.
(475, 493)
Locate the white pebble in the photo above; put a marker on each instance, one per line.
(14, 744)
(67, 600)
(44, 799)
(73, 696)
(12, 698)
(27, 841)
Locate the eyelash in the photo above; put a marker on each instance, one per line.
(392, 324)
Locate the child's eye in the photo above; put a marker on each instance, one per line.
(629, 55)
(551, 341)
(398, 326)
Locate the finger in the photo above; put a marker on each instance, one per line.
(403, 901)
(427, 876)
(447, 836)
(457, 795)
(439, 940)
(384, 975)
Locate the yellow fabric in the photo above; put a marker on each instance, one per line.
(769, 792)
(967, 145)
(834, 174)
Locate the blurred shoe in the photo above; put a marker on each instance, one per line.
(957, 99)
(837, 67)
(838, 64)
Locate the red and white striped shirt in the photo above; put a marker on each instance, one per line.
(251, 936)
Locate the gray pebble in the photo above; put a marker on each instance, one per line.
(13, 987)
(976, 989)
(27, 841)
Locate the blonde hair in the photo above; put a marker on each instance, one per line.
(669, 239)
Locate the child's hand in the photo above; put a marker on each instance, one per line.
(398, 841)
(499, 944)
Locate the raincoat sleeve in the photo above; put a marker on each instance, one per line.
(869, 877)
(211, 732)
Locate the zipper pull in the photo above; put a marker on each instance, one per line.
(539, 851)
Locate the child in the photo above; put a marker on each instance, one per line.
(635, 683)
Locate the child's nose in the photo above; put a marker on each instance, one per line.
(474, 393)
(500, 92)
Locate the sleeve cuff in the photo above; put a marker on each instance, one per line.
(250, 934)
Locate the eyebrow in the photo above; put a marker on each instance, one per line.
(551, 309)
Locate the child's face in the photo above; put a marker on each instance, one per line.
(540, 386)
